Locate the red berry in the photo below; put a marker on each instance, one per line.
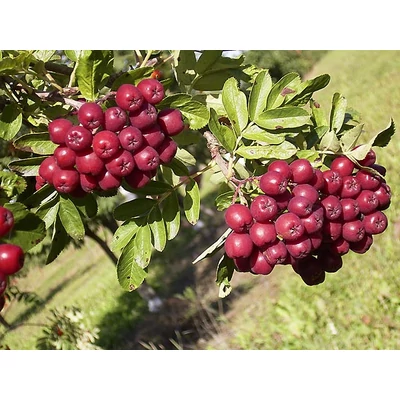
(107, 181)
(65, 157)
(299, 248)
(384, 195)
(339, 246)
(282, 167)
(310, 271)
(128, 97)
(317, 181)
(262, 233)
(350, 209)
(369, 159)
(238, 245)
(363, 245)
(259, 265)
(66, 180)
(131, 138)
(353, 231)
(276, 252)
(153, 136)
(282, 200)
(47, 168)
(88, 182)
(342, 165)
(122, 164)
(302, 171)
(115, 119)
(167, 150)
(6, 221)
(332, 207)
(90, 115)
(78, 138)
(367, 201)
(350, 188)
(137, 178)
(333, 182)
(313, 223)
(331, 230)
(145, 117)
(88, 162)
(375, 223)
(306, 190)
(367, 180)
(273, 183)
(263, 208)
(11, 258)
(152, 90)
(238, 217)
(156, 74)
(105, 144)
(170, 121)
(147, 159)
(330, 262)
(242, 264)
(58, 130)
(300, 206)
(289, 226)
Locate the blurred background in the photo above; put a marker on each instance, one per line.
(356, 308)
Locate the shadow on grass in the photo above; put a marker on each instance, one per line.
(185, 317)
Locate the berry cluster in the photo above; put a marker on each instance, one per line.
(11, 255)
(128, 141)
(309, 218)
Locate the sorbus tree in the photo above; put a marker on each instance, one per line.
(300, 184)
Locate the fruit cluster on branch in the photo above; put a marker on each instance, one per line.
(309, 218)
(11, 256)
(128, 140)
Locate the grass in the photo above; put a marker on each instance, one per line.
(359, 306)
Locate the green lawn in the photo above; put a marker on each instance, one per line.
(359, 306)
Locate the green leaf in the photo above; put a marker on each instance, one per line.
(48, 212)
(206, 60)
(235, 105)
(18, 64)
(349, 138)
(86, 205)
(225, 270)
(169, 176)
(383, 138)
(307, 88)
(223, 133)
(38, 143)
(176, 100)
(11, 184)
(338, 111)
(286, 85)
(185, 157)
(133, 208)
(28, 230)
(318, 114)
(43, 55)
(73, 55)
(171, 215)
(133, 77)
(91, 66)
(123, 235)
(178, 167)
(254, 132)
(185, 61)
(224, 200)
(71, 219)
(214, 248)
(215, 79)
(27, 166)
(10, 121)
(130, 274)
(158, 229)
(39, 196)
(310, 155)
(282, 151)
(191, 202)
(329, 142)
(152, 188)
(143, 246)
(59, 241)
(196, 113)
(283, 118)
(259, 94)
